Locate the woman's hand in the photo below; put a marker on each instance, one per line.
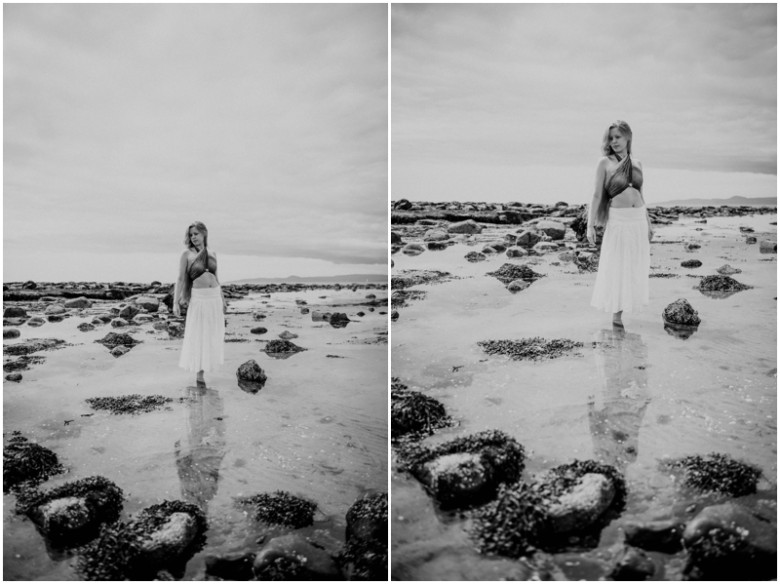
(649, 233)
(592, 235)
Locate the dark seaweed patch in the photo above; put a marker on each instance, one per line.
(534, 348)
(282, 346)
(415, 415)
(721, 284)
(510, 272)
(26, 463)
(717, 473)
(280, 508)
(112, 340)
(128, 404)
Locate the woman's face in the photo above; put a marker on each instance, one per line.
(196, 237)
(617, 141)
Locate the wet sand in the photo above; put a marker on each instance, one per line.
(629, 398)
(318, 429)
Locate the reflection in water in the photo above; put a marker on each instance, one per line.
(199, 455)
(616, 415)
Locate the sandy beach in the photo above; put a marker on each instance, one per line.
(317, 428)
(631, 399)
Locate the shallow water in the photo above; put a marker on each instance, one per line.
(318, 428)
(631, 399)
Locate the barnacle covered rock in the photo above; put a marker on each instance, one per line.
(510, 272)
(280, 508)
(364, 556)
(533, 348)
(717, 473)
(412, 412)
(27, 463)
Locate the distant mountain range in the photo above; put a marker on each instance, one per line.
(731, 202)
(345, 279)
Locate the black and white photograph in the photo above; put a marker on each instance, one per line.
(195, 298)
(583, 292)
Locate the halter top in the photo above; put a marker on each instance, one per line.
(625, 176)
(201, 264)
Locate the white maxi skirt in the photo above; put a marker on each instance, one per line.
(204, 331)
(622, 282)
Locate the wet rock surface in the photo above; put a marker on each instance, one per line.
(716, 473)
(251, 377)
(535, 348)
(364, 556)
(414, 414)
(113, 340)
(655, 536)
(279, 508)
(681, 313)
(27, 463)
(721, 284)
(292, 557)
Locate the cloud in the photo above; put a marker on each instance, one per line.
(123, 121)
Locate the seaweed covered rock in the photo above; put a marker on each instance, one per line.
(729, 542)
(11, 333)
(14, 312)
(469, 226)
(26, 463)
(339, 320)
(721, 285)
(535, 348)
(128, 404)
(280, 508)
(32, 346)
(656, 536)
(555, 230)
(72, 514)
(364, 556)
(510, 272)
(717, 473)
(282, 346)
(413, 413)
(162, 537)
(691, 264)
(727, 270)
(292, 557)
(475, 256)
(632, 564)
(681, 313)
(466, 471)
(112, 340)
(527, 238)
(517, 286)
(251, 377)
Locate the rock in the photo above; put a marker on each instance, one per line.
(282, 346)
(553, 229)
(729, 542)
(171, 538)
(71, 514)
(251, 377)
(175, 330)
(26, 462)
(517, 286)
(567, 256)
(148, 303)
(534, 348)
(632, 564)
(544, 247)
(119, 323)
(258, 330)
(14, 312)
(692, 246)
(15, 377)
(291, 557)
(81, 302)
(128, 312)
(751, 240)
(113, 339)
(280, 508)
(287, 335)
(120, 350)
(681, 313)
(258, 316)
(317, 316)
(655, 536)
(412, 412)
(436, 235)
(339, 319)
(744, 229)
(395, 238)
(236, 566)
(11, 333)
(365, 552)
(413, 249)
(142, 319)
(469, 226)
(767, 246)
(32, 346)
(691, 264)
(402, 205)
(85, 327)
(527, 238)
(516, 252)
(18, 321)
(727, 270)
(510, 272)
(475, 256)
(55, 309)
(717, 473)
(394, 315)
(55, 318)
(305, 311)
(467, 471)
(583, 505)
(721, 284)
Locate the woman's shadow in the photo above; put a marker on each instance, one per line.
(199, 455)
(616, 414)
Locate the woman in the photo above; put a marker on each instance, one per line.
(622, 282)
(199, 292)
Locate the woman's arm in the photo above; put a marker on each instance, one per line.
(179, 288)
(224, 304)
(598, 192)
(647, 214)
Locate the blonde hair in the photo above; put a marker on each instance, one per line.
(201, 229)
(624, 129)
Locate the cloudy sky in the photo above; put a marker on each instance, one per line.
(510, 102)
(124, 123)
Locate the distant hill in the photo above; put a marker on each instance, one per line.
(731, 202)
(345, 279)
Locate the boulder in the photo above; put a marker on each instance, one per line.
(567, 256)
(148, 303)
(15, 377)
(582, 505)
(721, 284)
(553, 229)
(655, 536)
(517, 286)
(727, 270)
(436, 235)
(681, 313)
(85, 327)
(258, 330)
(544, 247)
(730, 542)
(339, 319)
(81, 302)
(475, 256)
(395, 238)
(56, 317)
(120, 350)
(516, 252)
(142, 319)
(119, 323)
(691, 264)
(287, 335)
(251, 377)
(437, 245)
(128, 312)
(280, 508)
(716, 473)
(365, 552)
(113, 339)
(292, 557)
(55, 309)
(175, 329)
(469, 226)
(527, 238)
(751, 240)
(413, 249)
(26, 462)
(632, 564)
(767, 246)
(14, 312)
(11, 333)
